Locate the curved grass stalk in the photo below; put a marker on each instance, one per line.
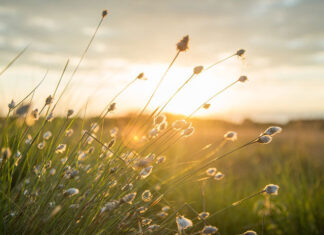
(14, 60)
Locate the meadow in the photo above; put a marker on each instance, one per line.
(156, 173)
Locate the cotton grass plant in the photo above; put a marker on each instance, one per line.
(59, 181)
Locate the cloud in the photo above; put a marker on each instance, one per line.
(277, 34)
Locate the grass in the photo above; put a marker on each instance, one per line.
(94, 184)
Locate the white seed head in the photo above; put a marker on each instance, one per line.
(11, 105)
(141, 77)
(159, 119)
(188, 132)
(183, 44)
(60, 148)
(49, 100)
(70, 112)
(208, 230)
(250, 232)
(146, 172)
(104, 13)
(5, 153)
(203, 215)
(69, 132)
(94, 127)
(240, 52)
(35, 114)
(41, 145)
(160, 159)
(219, 175)
(22, 109)
(162, 214)
(243, 79)
(129, 198)
(273, 130)
(153, 133)
(52, 171)
(147, 196)
(183, 223)
(179, 124)
(114, 132)
(198, 69)
(141, 209)
(71, 192)
(110, 206)
(206, 106)
(211, 171)
(146, 221)
(231, 135)
(153, 227)
(163, 126)
(112, 107)
(50, 117)
(271, 189)
(264, 139)
(29, 139)
(47, 135)
(165, 209)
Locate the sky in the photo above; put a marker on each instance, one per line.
(283, 39)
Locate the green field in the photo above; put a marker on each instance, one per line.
(33, 200)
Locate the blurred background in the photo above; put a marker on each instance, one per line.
(284, 40)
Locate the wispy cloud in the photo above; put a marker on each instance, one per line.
(284, 39)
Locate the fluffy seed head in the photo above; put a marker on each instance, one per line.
(211, 171)
(208, 229)
(188, 132)
(141, 209)
(249, 232)
(243, 79)
(112, 107)
(153, 227)
(179, 124)
(129, 198)
(50, 117)
(146, 221)
(49, 100)
(60, 148)
(183, 44)
(71, 192)
(113, 132)
(22, 110)
(147, 196)
(162, 214)
(264, 139)
(219, 175)
(41, 145)
(104, 13)
(206, 106)
(165, 209)
(198, 69)
(231, 135)
(271, 189)
(47, 135)
(183, 223)
(160, 159)
(70, 112)
(240, 52)
(159, 119)
(146, 172)
(273, 130)
(5, 153)
(69, 132)
(203, 215)
(11, 105)
(141, 77)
